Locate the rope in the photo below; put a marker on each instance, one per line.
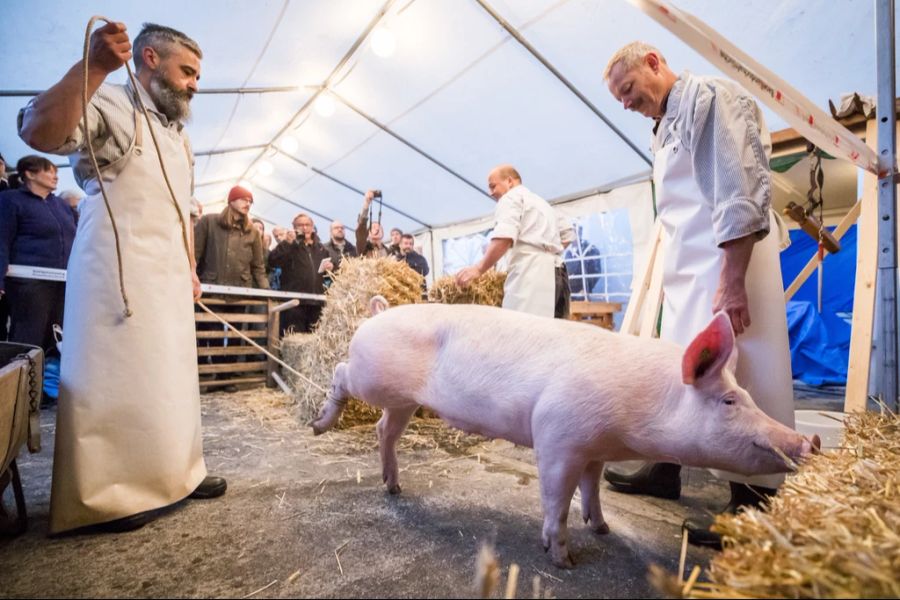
(84, 105)
(184, 235)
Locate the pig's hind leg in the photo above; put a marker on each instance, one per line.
(590, 497)
(391, 425)
(335, 401)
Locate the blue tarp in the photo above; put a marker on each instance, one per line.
(820, 343)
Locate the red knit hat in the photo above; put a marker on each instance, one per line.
(238, 192)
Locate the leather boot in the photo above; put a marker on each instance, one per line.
(662, 480)
(742, 496)
(210, 487)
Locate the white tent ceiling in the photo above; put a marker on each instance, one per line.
(458, 87)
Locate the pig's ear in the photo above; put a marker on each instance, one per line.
(710, 351)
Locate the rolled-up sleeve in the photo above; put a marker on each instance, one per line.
(731, 163)
(509, 217)
(75, 139)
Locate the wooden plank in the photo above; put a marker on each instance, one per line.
(233, 367)
(839, 231)
(222, 302)
(864, 290)
(631, 319)
(250, 333)
(227, 350)
(654, 297)
(581, 307)
(274, 327)
(231, 318)
(221, 382)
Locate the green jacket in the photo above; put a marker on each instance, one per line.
(229, 251)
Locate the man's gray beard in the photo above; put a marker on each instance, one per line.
(171, 102)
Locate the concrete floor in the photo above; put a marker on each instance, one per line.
(295, 499)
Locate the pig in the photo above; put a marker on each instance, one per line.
(577, 394)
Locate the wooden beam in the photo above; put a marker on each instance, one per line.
(250, 333)
(227, 350)
(864, 290)
(839, 231)
(631, 320)
(221, 382)
(232, 318)
(654, 297)
(233, 367)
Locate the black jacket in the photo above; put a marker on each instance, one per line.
(337, 254)
(299, 264)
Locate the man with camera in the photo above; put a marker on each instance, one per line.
(303, 263)
(373, 245)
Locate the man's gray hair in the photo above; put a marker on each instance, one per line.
(631, 55)
(161, 39)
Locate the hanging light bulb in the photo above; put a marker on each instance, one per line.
(384, 42)
(324, 105)
(265, 168)
(289, 144)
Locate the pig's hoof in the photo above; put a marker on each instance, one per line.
(601, 529)
(564, 561)
(393, 490)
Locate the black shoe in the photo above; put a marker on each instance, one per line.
(662, 480)
(742, 496)
(700, 534)
(747, 496)
(124, 524)
(210, 487)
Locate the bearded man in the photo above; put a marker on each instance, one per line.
(128, 429)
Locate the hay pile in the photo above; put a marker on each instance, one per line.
(487, 290)
(316, 354)
(833, 530)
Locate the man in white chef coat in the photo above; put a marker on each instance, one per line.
(713, 195)
(534, 235)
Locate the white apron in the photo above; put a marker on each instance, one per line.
(530, 281)
(128, 425)
(691, 272)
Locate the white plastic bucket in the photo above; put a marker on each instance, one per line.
(829, 426)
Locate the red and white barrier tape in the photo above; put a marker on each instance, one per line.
(804, 116)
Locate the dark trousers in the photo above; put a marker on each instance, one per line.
(34, 306)
(563, 293)
(302, 318)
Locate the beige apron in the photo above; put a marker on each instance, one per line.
(128, 426)
(691, 276)
(530, 281)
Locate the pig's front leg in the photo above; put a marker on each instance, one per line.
(335, 401)
(559, 475)
(590, 497)
(391, 425)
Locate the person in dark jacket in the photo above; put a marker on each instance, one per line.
(37, 229)
(339, 246)
(228, 248)
(370, 236)
(303, 263)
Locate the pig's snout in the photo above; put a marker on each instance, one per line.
(811, 446)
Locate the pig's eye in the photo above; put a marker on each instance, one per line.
(728, 401)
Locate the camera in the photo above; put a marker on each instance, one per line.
(376, 193)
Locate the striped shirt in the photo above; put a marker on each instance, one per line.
(111, 123)
(724, 131)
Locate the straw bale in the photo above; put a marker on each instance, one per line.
(317, 354)
(832, 531)
(486, 289)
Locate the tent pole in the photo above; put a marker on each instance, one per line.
(887, 203)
